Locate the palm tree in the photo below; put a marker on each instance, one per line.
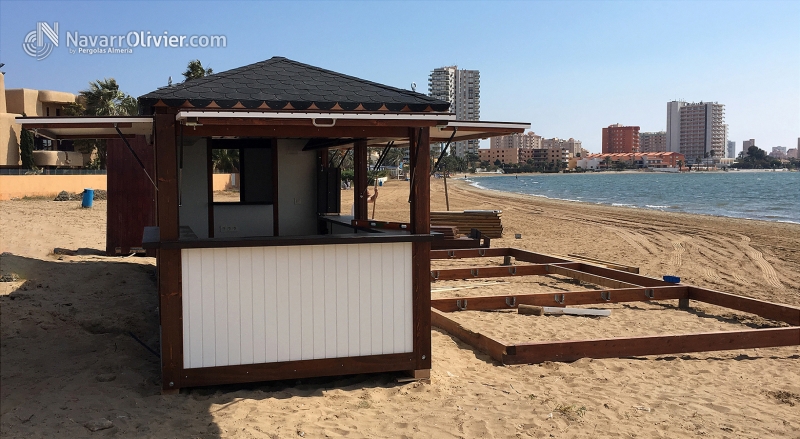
(195, 70)
(102, 98)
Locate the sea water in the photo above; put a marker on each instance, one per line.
(769, 196)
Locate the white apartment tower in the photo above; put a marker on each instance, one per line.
(696, 130)
(462, 88)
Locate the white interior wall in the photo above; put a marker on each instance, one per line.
(193, 211)
(297, 189)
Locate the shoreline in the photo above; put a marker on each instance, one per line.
(476, 185)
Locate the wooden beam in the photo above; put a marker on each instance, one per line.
(296, 131)
(360, 179)
(420, 223)
(168, 261)
(569, 298)
(588, 277)
(532, 353)
(469, 253)
(248, 373)
(767, 310)
(248, 121)
(495, 271)
(535, 258)
(92, 136)
(31, 126)
(487, 345)
(624, 276)
(486, 129)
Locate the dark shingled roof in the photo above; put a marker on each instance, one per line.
(278, 82)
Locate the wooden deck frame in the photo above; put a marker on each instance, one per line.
(625, 287)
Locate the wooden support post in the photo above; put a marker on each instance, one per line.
(683, 303)
(169, 261)
(420, 222)
(360, 177)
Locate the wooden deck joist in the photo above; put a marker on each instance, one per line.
(588, 277)
(498, 271)
(591, 297)
(767, 310)
(487, 345)
(531, 353)
(470, 253)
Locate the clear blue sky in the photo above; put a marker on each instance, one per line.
(568, 68)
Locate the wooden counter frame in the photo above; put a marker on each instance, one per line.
(631, 288)
(165, 239)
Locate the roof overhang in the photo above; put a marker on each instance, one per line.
(443, 126)
(87, 127)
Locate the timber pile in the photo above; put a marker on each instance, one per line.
(487, 221)
(449, 232)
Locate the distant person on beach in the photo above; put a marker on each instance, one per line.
(370, 199)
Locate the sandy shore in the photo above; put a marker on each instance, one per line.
(68, 354)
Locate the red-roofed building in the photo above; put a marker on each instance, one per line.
(644, 160)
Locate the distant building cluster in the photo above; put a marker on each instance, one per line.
(530, 148)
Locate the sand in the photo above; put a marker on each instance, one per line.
(69, 360)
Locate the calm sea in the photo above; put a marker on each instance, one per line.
(770, 196)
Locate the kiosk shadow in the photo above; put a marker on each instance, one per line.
(80, 344)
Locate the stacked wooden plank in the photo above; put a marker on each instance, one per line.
(487, 221)
(449, 232)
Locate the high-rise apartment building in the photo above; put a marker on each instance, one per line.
(529, 140)
(696, 130)
(462, 88)
(731, 153)
(620, 139)
(653, 141)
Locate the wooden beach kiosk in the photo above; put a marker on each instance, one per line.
(277, 284)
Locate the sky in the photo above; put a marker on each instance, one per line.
(569, 68)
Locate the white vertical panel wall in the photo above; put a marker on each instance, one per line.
(267, 304)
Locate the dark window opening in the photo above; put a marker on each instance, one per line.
(248, 162)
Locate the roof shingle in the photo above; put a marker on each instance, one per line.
(279, 82)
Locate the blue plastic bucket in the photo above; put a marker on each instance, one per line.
(88, 197)
(672, 279)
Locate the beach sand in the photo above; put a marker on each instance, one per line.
(68, 355)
